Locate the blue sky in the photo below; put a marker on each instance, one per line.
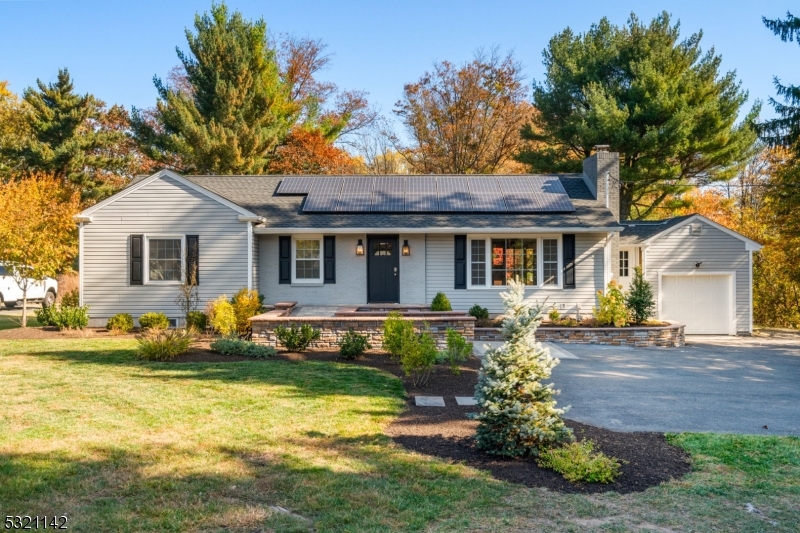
(113, 48)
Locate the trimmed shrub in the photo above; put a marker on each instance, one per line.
(441, 302)
(71, 299)
(45, 315)
(395, 329)
(246, 304)
(418, 354)
(640, 299)
(64, 317)
(233, 346)
(518, 414)
(120, 323)
(196, 320)
(163, 344)
(612, 309)
(481, 313)
(458, 350)
(154, 321)
(577, 461)
(353, 345)
(296, 339)
(222, 316)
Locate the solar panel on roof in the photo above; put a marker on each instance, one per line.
(296, 185)
(550, 193)
(518, 194)
(356, 194)
(453, 194)
(388, 193)
(324, 195)
(421, 194)
(486, 194)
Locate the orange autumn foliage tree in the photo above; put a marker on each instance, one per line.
(38, 236)
(308, 152)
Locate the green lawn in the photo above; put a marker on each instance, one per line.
(117, 444)
(10, 322)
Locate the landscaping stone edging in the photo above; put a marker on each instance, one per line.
(671, 336)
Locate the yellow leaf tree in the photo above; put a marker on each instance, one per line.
(38, 236)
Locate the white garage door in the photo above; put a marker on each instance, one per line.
(702, 302)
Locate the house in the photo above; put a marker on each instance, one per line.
(356, 240)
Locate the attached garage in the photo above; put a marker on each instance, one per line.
(705, 302)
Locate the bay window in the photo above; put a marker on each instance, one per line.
(493, 261)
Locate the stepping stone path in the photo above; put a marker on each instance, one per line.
(429, 401)
(438, 401)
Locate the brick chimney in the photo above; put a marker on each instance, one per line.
(601, 174)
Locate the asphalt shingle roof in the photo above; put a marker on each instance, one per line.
(257, 194)
(637, 231)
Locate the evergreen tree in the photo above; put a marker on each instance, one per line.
(237, 110)
(639, 299)
(71, 138)
(518, 412)
(784, 131)
(658, 100)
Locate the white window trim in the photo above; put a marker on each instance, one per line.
(146, 254)
(539, 260)
(308, 282)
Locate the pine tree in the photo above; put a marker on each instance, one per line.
(639, 299)
(518, 412)
(72, 139)
(656, 98)
(237, 111)
(784, 130)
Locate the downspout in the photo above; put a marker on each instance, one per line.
(249, 256)
(80, 263)
(750, 253)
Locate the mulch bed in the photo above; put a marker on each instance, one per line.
(44, 333)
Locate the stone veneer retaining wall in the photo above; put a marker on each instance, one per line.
(332, 329)
(666, 336)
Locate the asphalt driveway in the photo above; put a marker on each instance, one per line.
(720, 384)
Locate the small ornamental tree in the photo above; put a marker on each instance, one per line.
(37, 232)
(639, 299)
(518, 412)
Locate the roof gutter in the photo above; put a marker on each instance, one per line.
(448, 230)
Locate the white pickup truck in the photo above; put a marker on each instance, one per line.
(10, 293)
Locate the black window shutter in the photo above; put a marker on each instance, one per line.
(285, 251)
(193, 259)
(329, 249)
(137, 243)
(568, 244)
(461, 261)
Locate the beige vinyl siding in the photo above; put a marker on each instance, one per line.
(440, 266)
(163, 207)
(678, 251)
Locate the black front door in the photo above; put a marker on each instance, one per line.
(383, 265)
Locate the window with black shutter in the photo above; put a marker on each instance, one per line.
(460, 261)
(137, 249)
(193, 259)
(329, 256)
(285, 257)
(568, 241)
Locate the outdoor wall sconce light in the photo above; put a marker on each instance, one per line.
(406, 248)
(360, 248)
(697, 264)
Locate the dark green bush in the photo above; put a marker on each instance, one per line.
(577, 461)
(440, 302)
(234, 346)
(296, 339)
(120, 323)
(353, 345)
(418, 354)
(458, 350)
(481, 313)
(196, 320)
(395, 329)
(71, 298)
(154, 321)
(164, 344)
(64, 317)
(640, 301)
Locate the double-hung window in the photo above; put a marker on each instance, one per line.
(493, 261)
(624, 264)
(165, 259)
(307, 259)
